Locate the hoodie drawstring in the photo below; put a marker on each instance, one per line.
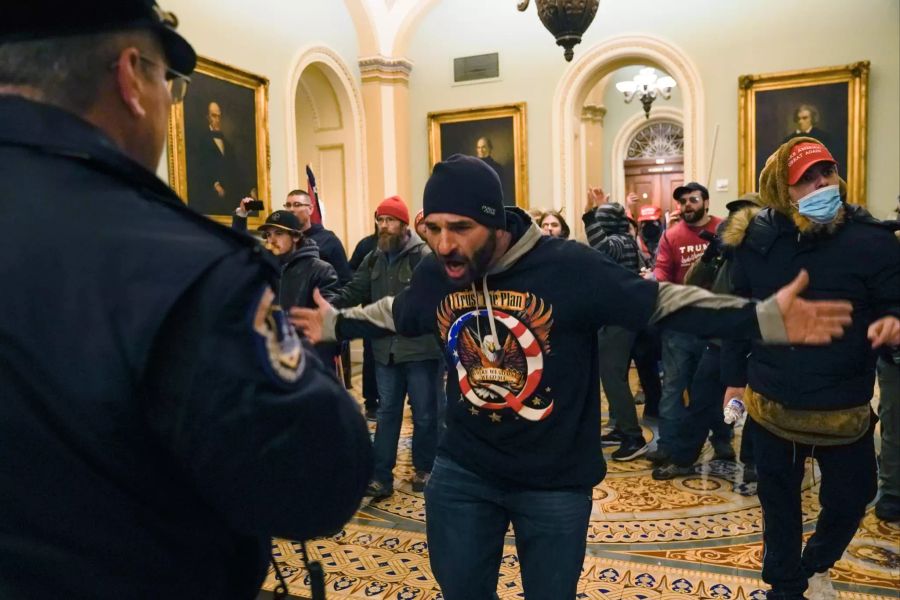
(489, 344)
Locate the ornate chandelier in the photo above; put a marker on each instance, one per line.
(647, 87)
(567, 20)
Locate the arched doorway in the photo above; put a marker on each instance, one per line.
(326, 132)
(654, 163)
(575, 85)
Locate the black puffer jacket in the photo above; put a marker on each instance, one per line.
(302, 271)
(859, 262)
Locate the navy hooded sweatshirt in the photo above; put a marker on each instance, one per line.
(526, 410)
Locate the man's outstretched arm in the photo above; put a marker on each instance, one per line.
(325, 323)
(784, 318)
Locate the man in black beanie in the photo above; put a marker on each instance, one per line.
(518, 314)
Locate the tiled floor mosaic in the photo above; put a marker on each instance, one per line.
(696, 536)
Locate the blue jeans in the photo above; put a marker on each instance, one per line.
(703, 414)
(467, 520)
(680, 354)
(394, 381)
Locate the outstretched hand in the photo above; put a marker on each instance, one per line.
(811, 322)
(596, 197)
(310, 321)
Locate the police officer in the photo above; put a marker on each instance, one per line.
(154, 404)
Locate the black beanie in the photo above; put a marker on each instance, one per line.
(467, 186)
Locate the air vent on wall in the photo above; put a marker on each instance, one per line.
(473, 68)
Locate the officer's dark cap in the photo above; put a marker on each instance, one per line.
(37, 19)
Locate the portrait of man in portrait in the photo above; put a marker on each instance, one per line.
(220, 145)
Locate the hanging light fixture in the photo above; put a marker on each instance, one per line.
(567, 20)
(647, 87)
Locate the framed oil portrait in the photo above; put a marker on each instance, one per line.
(828, 104)
(496, 134)
(218, 142)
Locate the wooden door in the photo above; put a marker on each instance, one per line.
(654, 179)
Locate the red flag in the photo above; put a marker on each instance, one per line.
(316, 215)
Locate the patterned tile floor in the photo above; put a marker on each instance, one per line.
(696, 536)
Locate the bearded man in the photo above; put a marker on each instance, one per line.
(679, 248)
(403, 365)
(519, 314)
(812, 403)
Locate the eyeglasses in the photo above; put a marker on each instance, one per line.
(296, 204)
(694, 199)
(176, 82)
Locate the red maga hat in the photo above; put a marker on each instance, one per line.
(650, 213)
(803, 156)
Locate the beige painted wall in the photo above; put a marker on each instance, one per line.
(265, 37)
(724, 39)
(617, 112)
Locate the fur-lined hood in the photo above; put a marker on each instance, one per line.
(736, 225)
(773, 190)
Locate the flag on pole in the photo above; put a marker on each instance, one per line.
(316, 216)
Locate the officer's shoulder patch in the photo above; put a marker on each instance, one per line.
(277, 343)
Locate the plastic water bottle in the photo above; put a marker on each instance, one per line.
(735, 411)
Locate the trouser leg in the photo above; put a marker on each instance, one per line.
(889, 416)
(646, 354)
(369, 384)
(780, 465)
(681, 353)
(551, 533)
(615, 358)
(389, 419)
(466, 526)
(849, 483)
(706, 391)
(421, 383)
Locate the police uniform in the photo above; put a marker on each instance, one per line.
(159, 418)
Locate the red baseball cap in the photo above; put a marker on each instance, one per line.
(649, 213)
(803, 156)
(393, 207)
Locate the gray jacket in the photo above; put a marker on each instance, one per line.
(378, 277)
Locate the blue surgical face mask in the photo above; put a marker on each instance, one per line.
(822, 205)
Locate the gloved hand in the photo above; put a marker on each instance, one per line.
(714, 249)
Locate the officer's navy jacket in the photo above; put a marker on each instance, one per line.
(158, 420)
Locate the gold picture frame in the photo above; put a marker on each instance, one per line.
(504, 128)
(771, 108)
(212, 170)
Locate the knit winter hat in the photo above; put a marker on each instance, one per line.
(393, 207)
(466, 186)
